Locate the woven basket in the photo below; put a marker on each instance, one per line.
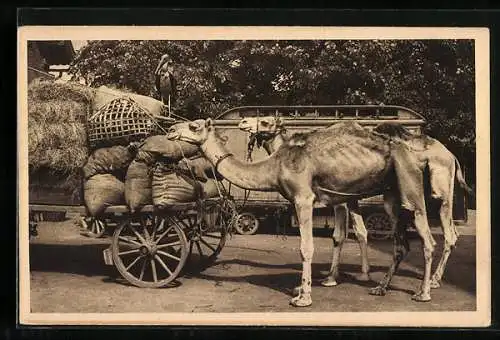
(120, 121)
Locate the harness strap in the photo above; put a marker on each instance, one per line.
(345, 193)
(221, 158)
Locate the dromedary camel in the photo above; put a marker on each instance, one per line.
(442, 164)
(324, 166)
(270, 133)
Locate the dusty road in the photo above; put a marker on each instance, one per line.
(252, 274)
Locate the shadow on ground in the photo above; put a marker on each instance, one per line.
(286, 282)
(88, 260)
(461, 267)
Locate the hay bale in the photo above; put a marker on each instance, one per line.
(43, 90)
(58, 111)
(101, 191)
(138, 192)
(60, 147)
(173, 150)
(57, 136)
(115, 160)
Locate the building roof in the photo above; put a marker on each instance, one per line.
(57, 52)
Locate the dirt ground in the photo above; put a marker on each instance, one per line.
(252, 274)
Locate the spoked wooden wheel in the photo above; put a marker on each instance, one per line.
(246, 224)
(93, 227)
(206, 238)
(379, 226)
(149, 252)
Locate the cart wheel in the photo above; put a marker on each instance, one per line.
(207, 238)
(379, 226)
(93, 227)
(246, 224)
(149, 253)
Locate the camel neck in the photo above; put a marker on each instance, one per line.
(273, 144)
(260, 176)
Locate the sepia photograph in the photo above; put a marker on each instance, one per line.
(303, 176)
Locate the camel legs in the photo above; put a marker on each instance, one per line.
(411, 190)
(342, 214)
(400, 242)
(362, 237)
(304, 210)
(338, 237)
(448, 226)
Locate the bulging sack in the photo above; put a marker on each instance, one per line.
(101, 191)
(106, 94)
(173, 150)
(111, 160)
(170, 187)
(138, 191)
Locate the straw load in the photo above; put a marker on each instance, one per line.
(57, 139)
(127, 168)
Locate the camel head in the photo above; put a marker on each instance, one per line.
(195, 132)
(262, 125)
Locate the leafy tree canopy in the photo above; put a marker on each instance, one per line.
(433, 77)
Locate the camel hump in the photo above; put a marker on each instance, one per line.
(393, 130)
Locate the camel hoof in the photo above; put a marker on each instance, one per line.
(303, 300)
(363, 277)
(379, 291)
(329, 282)
(421, 297)
(435, 284)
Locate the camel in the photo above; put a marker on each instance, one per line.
(443, 169)
(270, 133)
(442, 164)
(329, 166)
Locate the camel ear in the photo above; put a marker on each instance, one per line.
(279, 121)
(209, 123)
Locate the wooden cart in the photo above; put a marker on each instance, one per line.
(151, 247)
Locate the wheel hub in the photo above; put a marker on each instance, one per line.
(144, 250)
(148, 249)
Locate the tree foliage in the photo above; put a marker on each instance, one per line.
(433, 77)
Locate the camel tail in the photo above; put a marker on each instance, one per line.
(461, 180)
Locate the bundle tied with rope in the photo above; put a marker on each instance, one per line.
(188, 179)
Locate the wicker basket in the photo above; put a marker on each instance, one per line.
(121, 121)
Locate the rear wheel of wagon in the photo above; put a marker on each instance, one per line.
(149, 252)
(246, 224)
(93, 227)
(379, 226)
(206, 237)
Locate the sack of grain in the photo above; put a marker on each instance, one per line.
(173, 150)
(146, 157)
(138, 186)
(170, 187)
(101, 191)
(104, 95)
(111, 160)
